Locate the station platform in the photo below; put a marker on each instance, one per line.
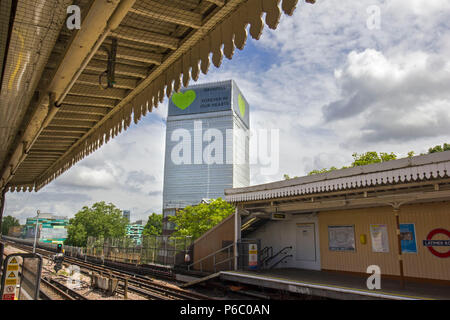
(335, 285)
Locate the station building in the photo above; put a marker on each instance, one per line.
(135, 231)
(52, 228)
(395, 215)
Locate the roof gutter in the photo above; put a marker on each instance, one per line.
(102, 17)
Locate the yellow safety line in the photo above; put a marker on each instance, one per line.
(334, 286)
(19, 61)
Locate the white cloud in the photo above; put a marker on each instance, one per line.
(86, 177)
(392, 98)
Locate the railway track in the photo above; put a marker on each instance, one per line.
(136, 283)
(141, 284)
(60, 289)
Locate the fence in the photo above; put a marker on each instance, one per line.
(163, 250)
(248, 256)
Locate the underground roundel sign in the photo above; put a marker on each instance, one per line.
(430, 243)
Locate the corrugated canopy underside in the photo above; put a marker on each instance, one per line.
(161, 45)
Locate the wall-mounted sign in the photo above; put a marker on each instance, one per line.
(341, 238)
(379, 236)
(408, 238)
(279, 216)
(430, 243)
(253, 256)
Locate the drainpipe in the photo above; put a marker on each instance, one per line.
(237, 236)
(45, 116)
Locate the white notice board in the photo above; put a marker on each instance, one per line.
(379, 236)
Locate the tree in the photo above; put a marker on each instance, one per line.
(364, 159)
(154, 225)
(8, 222)
(196, 220)
(444, 147)
(321, 171)
(101, 220)
(371, 157)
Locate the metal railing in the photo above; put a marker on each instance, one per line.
(158, 250)
(229, 259)
(284, 251)
(266, 253)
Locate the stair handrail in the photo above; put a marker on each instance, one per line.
(279, 261)
(209, 256)
(277, 254)
(263, 251)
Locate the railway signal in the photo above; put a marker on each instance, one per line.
(58, 258)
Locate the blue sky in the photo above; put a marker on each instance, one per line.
(330, 84)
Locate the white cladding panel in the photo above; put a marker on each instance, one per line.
(241, 145)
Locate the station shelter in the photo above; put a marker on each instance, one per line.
(392, 218)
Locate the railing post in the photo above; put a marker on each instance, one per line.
(175, 251)
(229, 258)
(153, 251)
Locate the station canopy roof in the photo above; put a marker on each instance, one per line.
(431, 168)
(54, 109)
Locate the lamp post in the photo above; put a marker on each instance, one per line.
(35, 231)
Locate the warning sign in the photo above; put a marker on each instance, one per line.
(11, 277)
(9, 296)
(10, 282)
(12, 268)
(252, 256)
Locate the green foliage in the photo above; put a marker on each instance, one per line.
(154, 225)
(371, 157)
(101, 220)
(321, 171)
(196, 220)
(374, 157)
(8, 222)
(444, 147)
(362, 160)
(286, 177)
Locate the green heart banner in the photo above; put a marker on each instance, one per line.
(241, 104)
(182, 100)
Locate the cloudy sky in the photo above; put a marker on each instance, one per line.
(334, 79)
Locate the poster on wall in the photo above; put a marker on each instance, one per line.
(379, 236)
(341, 238)
(408, 237)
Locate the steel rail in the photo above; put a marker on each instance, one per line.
(56, 289)
(64, 289)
